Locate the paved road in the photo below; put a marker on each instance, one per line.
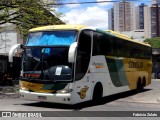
(151, 94)
(147, 100)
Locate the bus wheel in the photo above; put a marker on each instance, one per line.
(144, 82)
(139, 85)
(97, 93)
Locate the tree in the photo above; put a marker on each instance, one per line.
(154, 42)
(26, 14)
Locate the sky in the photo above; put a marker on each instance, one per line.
(95, 15)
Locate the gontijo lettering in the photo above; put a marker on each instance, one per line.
(135, 64)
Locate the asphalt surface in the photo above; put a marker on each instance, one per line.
(146, 100)
(151, 94)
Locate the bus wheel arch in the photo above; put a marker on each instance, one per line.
(97, 93)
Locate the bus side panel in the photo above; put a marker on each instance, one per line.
(82, 89)
(137, 69)
(104, 70)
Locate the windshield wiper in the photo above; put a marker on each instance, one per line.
(41, 63)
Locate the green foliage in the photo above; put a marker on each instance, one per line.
(26, 14)
(154, 42)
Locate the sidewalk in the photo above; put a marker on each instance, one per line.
(155, 79)
(9, 92)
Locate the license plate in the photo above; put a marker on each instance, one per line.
(42, 97)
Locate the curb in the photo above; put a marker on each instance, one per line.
(9, 92)
(158, 99)
(6, 89)
(9, 95)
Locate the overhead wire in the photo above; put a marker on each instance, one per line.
(93, 2)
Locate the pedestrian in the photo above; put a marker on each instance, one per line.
(7, 79)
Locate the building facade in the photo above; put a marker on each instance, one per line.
(9, 36)
(155, 20)
(140, 16)
(147, 21)
(111, 19)
(124, 16)
(156, 2)
(137, 35)
(152, 21)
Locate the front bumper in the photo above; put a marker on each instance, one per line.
(64, 98)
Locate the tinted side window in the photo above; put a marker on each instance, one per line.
(102, 45)
(140, 51)
(83, 54)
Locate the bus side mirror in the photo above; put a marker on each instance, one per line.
(11, 51)
(72, 52)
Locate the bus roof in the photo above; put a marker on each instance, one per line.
(58, 27)
(116, 34)
(79, 27)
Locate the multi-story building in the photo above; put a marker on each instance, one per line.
(152, 21)
(127, 17)
(147, 21)
(111, 19)
(156, 2)
(124, 16)
(140, 16)
(155, 20)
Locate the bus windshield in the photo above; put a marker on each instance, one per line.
(51, 38)
(45, 55)
(47, 63)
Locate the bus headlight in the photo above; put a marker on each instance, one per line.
(24, 88)
(21, 87)
(64, 91)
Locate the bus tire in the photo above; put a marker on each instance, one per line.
(144, 82)
(97, 93)
(139, 84)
